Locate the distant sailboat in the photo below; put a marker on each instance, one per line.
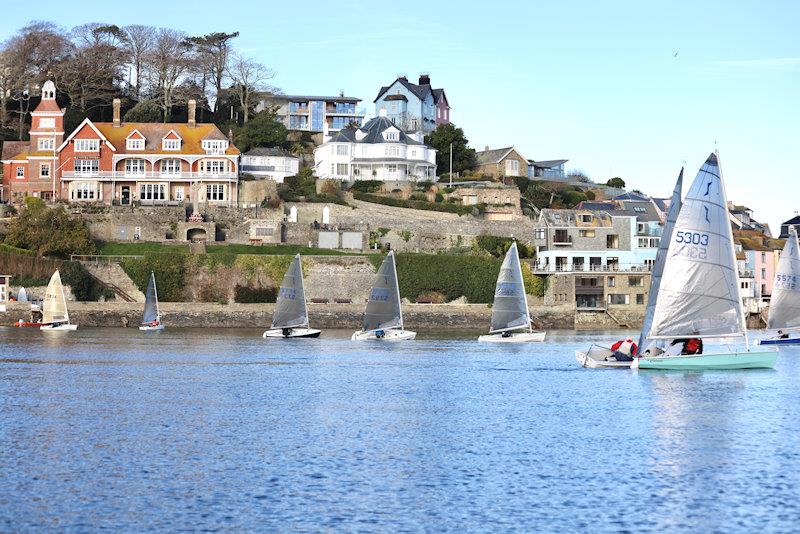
(784, 306)
(22, 296)
(151, 320)
(698, 296)
(383, 318)
(54, 310)
(602, 357)
(291, 314)
(510, 307)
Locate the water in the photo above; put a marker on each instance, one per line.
(221, 430)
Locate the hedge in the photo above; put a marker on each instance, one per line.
(366, 186)
(498, 246)
(419, 204)
(251, 295)
(169, 269)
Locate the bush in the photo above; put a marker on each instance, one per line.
(424, 185)
(170, 271)
(419, 204)
(439, 197)
(367, 186)
(48, 232)
(419, 196)
(252, 295)
(84, 286)
(498, 246)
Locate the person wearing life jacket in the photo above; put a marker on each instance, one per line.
(782, 335)
(624, 350)
(686, 347)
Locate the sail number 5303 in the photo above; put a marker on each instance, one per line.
(691, 238)
(693, 245)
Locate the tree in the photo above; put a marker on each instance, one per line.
(263, 130)
(49, 232)
(441, 138)
(139, 44)
(213, 50)
(248, 77)
(144, 111)
(616, 182)
(169, 60)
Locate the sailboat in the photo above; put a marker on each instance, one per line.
(22, 296)
(54, 310)
(291, 314)
(602, 357)
(784, 307)
(511, 322)
(698, 295)
(151, 320)
(383, 318)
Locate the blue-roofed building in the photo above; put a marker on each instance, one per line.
(413, 106)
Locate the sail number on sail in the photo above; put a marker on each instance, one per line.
(506, 289)
(693, 245)
(380, 294)
(287, 293)
(786, 281)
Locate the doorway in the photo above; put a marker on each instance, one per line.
(125, 195)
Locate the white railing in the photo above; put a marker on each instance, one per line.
(122, 175)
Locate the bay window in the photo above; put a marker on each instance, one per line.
(215, 192)
(85, 191)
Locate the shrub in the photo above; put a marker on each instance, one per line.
(48, 232)
(419, 196)
(252, 295)
(424, 185)
(498, 246)
(367, 186)
(439, 197)
(84, 286)
(170, 271)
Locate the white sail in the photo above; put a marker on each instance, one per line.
(290, 310)
(151, 302)
(510, 308)
(23, 295)
(54, 309)
(699, 290)
(383, 308)
(661, 257)
(784, 307)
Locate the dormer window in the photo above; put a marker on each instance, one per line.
(215, 146)
(171, 144)
(135, 144)
(87, 145)
(392, 136)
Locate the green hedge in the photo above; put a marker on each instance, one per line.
(251, 295)
(418, 204)
(170, 271)
(498, 246)
(366, 186)
(84, 286)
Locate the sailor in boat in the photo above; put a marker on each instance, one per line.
(685, 347)
(782, 335)
(624, 351)
(380, 334)
(286, 332)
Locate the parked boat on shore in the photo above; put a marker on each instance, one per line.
(290, 319)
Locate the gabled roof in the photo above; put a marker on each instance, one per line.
(643, 210)
(487, 157)
(269, 151)
(135, 132)
(631, 196)
(14, 149)
(793, 220)
(172, 134)
(548, 163)
(420, 91)
(438, 95)
(373, 129)
(93, 126)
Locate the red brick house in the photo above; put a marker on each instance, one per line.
(30, 168)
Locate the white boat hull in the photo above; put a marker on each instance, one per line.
(59, 328)
(388, 335)
(586, 360)
(150, 328)
(515, 337)
(761, 359)
(296, 332)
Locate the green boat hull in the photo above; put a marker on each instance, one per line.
(700, 362)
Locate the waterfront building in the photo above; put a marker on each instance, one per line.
(269, 163)
(314, 113)
(795, 222)
(148, 163)
(379, 150)
(413, 106)
(549, 170)
(758, 256)
(501, 162)
(30, 167)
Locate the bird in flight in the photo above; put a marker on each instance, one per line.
(675, 54)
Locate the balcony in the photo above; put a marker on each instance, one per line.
(159, 176)
(299, 111)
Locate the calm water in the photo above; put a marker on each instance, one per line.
(220, 430)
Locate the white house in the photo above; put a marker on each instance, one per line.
(378, 150)
(269, 163)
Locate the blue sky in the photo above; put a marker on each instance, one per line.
(595, 82)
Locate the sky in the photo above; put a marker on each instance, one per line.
(620, 88)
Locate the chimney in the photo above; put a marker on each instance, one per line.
(116, 105)
(230, 135)
(487, 148)
(192, 109)
(424, 79)
(403, 77)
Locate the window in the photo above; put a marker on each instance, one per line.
(391, 168)
(215, 146)
(134, 166)
(763, 273)
(47, 122)
(179, 193)
(612, 281)
(171, 144)
(393, 107)
(342, 150)
(213, 166)
(393, 151)
(641, 228)
(618, 299)
(413, 153)
(392, 136)
(85, 191)
(87, 166)
(586, 218)
(215, 192)
(46, 143)
(640, 299)
(612, 241)
(639, 209)
(512, 167)
(20, 172)
(636, 281)
(745, 285)
(341, 169)
(87, 145)
(539, 233)
(135, 144)
(44, 170)
(170, 166)
(649, 242)
(763, 256)
(438, 113)
(586, 233)
(152, 191)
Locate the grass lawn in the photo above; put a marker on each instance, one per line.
(277, 250)
(137, 248)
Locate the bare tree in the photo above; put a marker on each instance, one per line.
(169, 60)
(248, 77)
(213, 54)
(140, 41)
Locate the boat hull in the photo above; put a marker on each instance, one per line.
(388, 335)
(788, 341)
(587, 361)
(276, 333)
(515, 337)
(28, 324)
(700, 362)
(59, 328)
(150, 328)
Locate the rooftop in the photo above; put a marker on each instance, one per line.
(309, 98)
(485, 157)
(373, 129)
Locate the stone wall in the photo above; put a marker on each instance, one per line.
(113, 274)
(120, 223)
(255, 191)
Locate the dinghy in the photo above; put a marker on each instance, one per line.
(22, 296)
(54, 310)
(698, 295)
(511, 322)
(383, 318)
(291, 314)
(784, 307)
(598, 357)
(151, 320)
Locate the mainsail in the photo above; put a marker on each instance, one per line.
(383, 308)
(661, 257)
(290, 310)
(54, 309)
(151, 302)
(699, 291)
(23, 295)
(784, 308)
(510, 308)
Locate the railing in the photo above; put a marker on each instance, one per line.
(747, 273)
(596, 268)
(117, 175)
(92, 258)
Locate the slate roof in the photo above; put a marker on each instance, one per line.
(629, 207)
(269, 151)
(12, 149)
(304, 98)
(793, 220)
(597, 206)
(631, 196)
(563, 217)
(548, 164)
(438, 95)
(487, 157)
(420, 91)
(373, 129)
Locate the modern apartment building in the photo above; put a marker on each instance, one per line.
(314, 113)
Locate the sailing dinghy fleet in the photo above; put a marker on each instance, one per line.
(55, 316)
(291, 314)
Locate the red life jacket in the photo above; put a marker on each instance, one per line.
(693, 346)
